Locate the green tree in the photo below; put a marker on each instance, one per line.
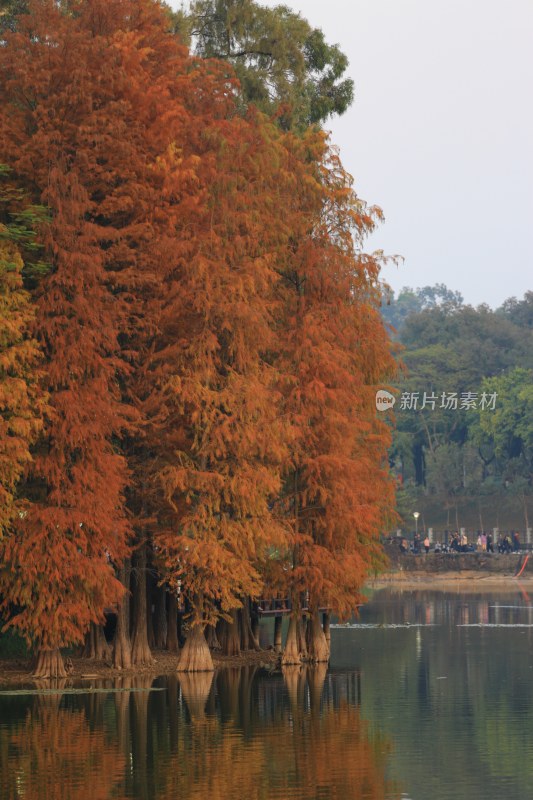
(520, 312)
(508, 431)
(397, 310)
(284, 65)
(10, 10)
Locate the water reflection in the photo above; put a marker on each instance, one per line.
(455, 697)
(55, 753)
(243, 733)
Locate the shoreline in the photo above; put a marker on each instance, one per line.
(18, 671)
(471, 581)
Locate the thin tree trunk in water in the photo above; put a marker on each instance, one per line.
(278, 622)
(172, 642)
(317, 646)
(49, 665)
(140, 650)
(181, 638)
(302, 637)
(292, 653)
(244, 631)
(326, 620)
(96, 645)
(248, 641)
(254, 626)
(160, 617)
(122, 641)
(150, 596)
(195, 655)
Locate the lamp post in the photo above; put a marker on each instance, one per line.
(416, 514)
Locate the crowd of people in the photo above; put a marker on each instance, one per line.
(460, 543)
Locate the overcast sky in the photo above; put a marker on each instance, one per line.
(441, 135)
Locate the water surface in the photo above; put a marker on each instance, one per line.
(429, 696)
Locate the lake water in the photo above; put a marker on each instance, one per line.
(429, 696)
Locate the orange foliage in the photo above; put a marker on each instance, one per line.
(333, 352)
(209, 326)
(88, 107)
(215, 432)
(21, 399)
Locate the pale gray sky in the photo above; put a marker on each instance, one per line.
(441, 135)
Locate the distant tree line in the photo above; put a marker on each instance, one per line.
(449, 347)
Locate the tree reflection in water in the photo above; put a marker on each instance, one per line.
(242, 733)
(53, 753)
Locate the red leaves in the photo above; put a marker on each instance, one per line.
(209, 330)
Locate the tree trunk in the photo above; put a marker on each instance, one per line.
(172, 643)
(229, 635)
(278, 622)
(212, 638)
(254, 627)
(248, 641)
(317, 646)
(326, 620)
(122, 641)
(244, 628)
(96, 645)
(150, 597)
(49, 665)
(181, 637)
(195, 655)
(292, 653)
(140, 651)
(302, 637)
(160, 617)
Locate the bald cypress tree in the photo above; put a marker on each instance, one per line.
(88, 149)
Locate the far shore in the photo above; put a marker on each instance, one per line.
(469, 581)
